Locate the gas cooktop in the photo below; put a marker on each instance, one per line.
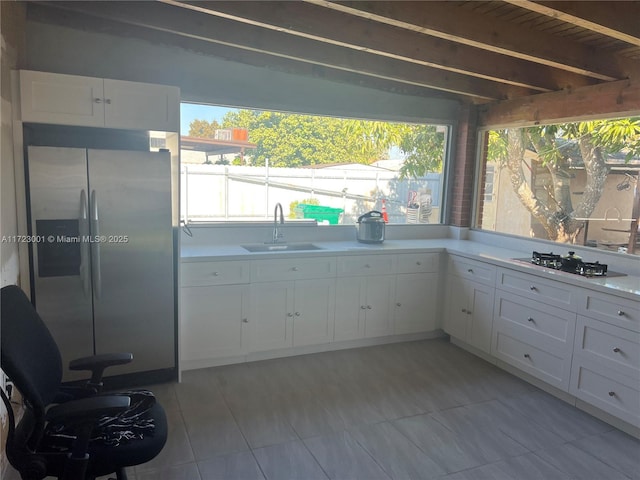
(571, 264)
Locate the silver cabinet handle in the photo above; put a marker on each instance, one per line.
(214, 274)
(297, 314)
(418, 263)
(470, 270)
(363, 307)
(532, 288)
(617, 350)
(621, 313)
(95, 246)
(85, 265)
(294, 269)
(97, 100)
(368, 307)
(530, 319)
(469, 312)
(107, 101)
(289, 315)
(367, 266)
(464, 310)
(526, 355)
(398, 304)
(245, 320)
(612, 394)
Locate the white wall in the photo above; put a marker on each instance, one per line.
(12, 21)
(205, 79)
(12, 26)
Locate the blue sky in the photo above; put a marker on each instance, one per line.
(191, 111)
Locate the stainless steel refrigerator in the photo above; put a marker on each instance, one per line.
(103, 253)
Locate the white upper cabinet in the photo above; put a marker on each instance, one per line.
(61, 99)
(95, 102)
(131, 105)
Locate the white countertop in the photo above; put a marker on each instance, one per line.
(627, 286)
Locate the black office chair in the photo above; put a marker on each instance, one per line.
(71, 433)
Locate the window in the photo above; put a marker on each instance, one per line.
(237, 164)
(574, 183)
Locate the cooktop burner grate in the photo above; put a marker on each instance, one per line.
(570, 264)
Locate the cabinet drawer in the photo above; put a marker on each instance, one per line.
(418, 262)
(292, 269)
(196, 274)
(542, 290)
(538, 318)
(472, 270)
(618, 311)
(614, 347)
(549, 367)
(607, 390)
(366, 265)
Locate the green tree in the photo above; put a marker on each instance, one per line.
(556, 147)
(292, 140)
(203, 129)
(424, 147)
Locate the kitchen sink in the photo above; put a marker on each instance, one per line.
(281, 247)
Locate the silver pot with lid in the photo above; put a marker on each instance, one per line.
(370, 227)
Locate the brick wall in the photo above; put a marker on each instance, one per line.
(483, 140)
(464, 167)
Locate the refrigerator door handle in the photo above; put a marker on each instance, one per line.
(83, 221)
(95, 246)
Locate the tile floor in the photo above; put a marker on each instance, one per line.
(416, 410)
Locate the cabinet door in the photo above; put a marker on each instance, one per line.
(456, 318)
(416, 303)
(480, 309)
(141, 106)
(271, 316)
(349, 315)
(212, 321)
(313, 312)
(379, 297)
(61, 99)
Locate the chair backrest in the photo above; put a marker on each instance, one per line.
(29, 355)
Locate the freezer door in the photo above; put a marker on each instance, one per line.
(61, 265)
(132, 254)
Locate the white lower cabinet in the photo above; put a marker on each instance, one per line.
(534, 325)
(469, 312)
(607, 389)
(363, 307)
(606, 362)
(313, 311)
(291, 314)
(213, 322)
(534, 337)
(416, 303)
(271, 316)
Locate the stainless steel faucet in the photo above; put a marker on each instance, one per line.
(276, 233)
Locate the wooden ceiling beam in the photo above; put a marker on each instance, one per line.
(446, 20)
(336, 28)
(607, 100)
(193, 24)
(615, 19)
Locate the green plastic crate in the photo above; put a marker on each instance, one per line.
(318, 212)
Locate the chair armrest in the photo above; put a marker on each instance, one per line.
(88, 410)
(97, 364)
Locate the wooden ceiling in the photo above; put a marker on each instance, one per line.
(491, 53)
